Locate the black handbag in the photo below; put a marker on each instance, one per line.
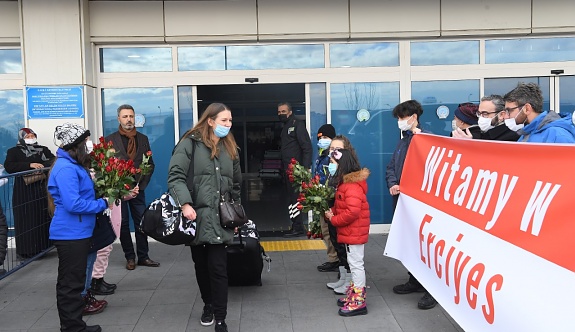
(163, 220)
(232, 213)
(103, 234)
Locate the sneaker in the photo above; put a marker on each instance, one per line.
(408, 287)
(328, 267)
(221, 327)
(426, 302)
(207, 318)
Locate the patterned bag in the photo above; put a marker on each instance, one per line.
(163, 221)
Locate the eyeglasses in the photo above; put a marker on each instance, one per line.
(484, 114)
(333, 149)
(511, 109)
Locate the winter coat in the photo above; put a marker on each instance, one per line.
(549, 127)
(395, 165)
(351, 209)
(295, 143)
(208, 175)
(3, 235)
(75, 200)
(500, 133)
(321, 164)
(142, 146)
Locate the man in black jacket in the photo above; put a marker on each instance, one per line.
(295, 143)
(132, 145)
(3, 239)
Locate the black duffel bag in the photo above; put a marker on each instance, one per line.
(163, 221)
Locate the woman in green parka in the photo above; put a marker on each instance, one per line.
(214, 152)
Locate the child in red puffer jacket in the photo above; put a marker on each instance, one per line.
(350, 215)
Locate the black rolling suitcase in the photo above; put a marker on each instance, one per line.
(246, 258)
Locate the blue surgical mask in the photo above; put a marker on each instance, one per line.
(221, 131)
(332, 168)
(323, 143)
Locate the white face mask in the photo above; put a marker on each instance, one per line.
(30, 141)
(89, 146)
(404, 125)
(512, 125)
(454, 124)
(485, 123)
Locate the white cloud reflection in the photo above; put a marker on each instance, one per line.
(444, 53)
(529, 50)
(364, 55)
(10, 61)
(275, 57)
(137, 59)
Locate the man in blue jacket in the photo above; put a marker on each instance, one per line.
(524, 106)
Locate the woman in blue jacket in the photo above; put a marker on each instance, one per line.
(75, 208)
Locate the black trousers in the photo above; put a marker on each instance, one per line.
(72, 261)
(137, 206)
(339, 247)
(211, 264)
(291, 203)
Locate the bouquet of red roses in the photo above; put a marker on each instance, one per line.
(313, 196)
(113, 177)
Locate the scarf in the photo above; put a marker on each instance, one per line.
(30, 150)
(131, 135)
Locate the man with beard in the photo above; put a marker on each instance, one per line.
(132, 145)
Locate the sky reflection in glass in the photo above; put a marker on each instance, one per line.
(12, 110)
(275, 57)
(202, 58)
(364, 55)
(445, 53)
(137, 59)
(10, 61)
(529, 50)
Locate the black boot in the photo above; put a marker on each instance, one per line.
(111, 286)
(97, 287)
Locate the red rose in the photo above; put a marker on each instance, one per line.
(127, 186)
(108, 168)
(299, 207)
(149, 153)
(102, 139)
(293, 161)
(291, 178)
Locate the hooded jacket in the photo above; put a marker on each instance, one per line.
(75, 200)
(209, 176)
(548, 127)
(351, 209)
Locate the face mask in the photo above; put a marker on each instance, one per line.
(512, 124)
(485, 123)
(454, 124)
(89, 146)
(332, 167)
(283, 118)
(221, 131)
(30, 141)
(323, 143)
(404, 124)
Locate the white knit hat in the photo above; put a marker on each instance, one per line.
(70, 135)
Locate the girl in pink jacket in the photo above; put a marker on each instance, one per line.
(350, 215)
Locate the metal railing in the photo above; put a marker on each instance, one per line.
(25, 210)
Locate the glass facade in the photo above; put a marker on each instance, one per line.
(374, 137)
(445, 53)
(501, 86)
(530, 50)
(202, 58)
(433, 94)
(10, 61)
(364, 55)
(157, 107)
(136, 59)
(12, 111)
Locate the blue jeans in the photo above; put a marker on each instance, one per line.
(89, 268)
(137, 206)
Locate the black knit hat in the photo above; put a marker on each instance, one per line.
(326, 130)
(70, 135)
